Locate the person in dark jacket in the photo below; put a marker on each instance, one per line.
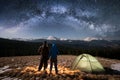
(53, 57)
(44, 51)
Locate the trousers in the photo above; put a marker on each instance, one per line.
(43, 61)
(53, 61)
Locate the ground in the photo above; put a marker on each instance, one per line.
(26, 68)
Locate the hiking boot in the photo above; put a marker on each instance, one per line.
(50, 72)
(56, 72)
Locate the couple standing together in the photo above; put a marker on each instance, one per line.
(46, 54)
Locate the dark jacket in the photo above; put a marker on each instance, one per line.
(43, 50)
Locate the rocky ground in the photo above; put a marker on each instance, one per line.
(25, 68)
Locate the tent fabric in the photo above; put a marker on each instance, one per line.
(87, 63)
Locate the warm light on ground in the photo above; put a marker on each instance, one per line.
(61, 70)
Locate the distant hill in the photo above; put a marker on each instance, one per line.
(92, 43)
(103, 48)
(17, 48)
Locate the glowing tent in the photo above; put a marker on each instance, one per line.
(87, 63)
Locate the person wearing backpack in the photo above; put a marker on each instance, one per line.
(43, 51)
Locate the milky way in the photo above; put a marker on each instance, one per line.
(73, 19)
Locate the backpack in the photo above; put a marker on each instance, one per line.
(44, 51)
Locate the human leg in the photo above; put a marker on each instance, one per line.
(51, 65)
(55, 64)
(40, 65)
(45, 64)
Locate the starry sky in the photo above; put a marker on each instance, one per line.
(72, 19)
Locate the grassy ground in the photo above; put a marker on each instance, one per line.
(25, 68)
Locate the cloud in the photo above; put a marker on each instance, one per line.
(87, 13)
(10, 32)
(102, 30)
(1, 28)
(75, 23)
(91, 38)
(91, 26)
(59, 9)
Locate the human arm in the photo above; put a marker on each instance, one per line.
(49, 54)
(39, 50)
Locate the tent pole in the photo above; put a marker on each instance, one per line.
(78, 61)
(90, 63)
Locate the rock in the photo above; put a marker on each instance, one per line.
(116, 66)
(37, 78)
(33, 78)
(74, 79)
(68, 78)
(43, 75)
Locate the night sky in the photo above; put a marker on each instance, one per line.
(72, 19)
